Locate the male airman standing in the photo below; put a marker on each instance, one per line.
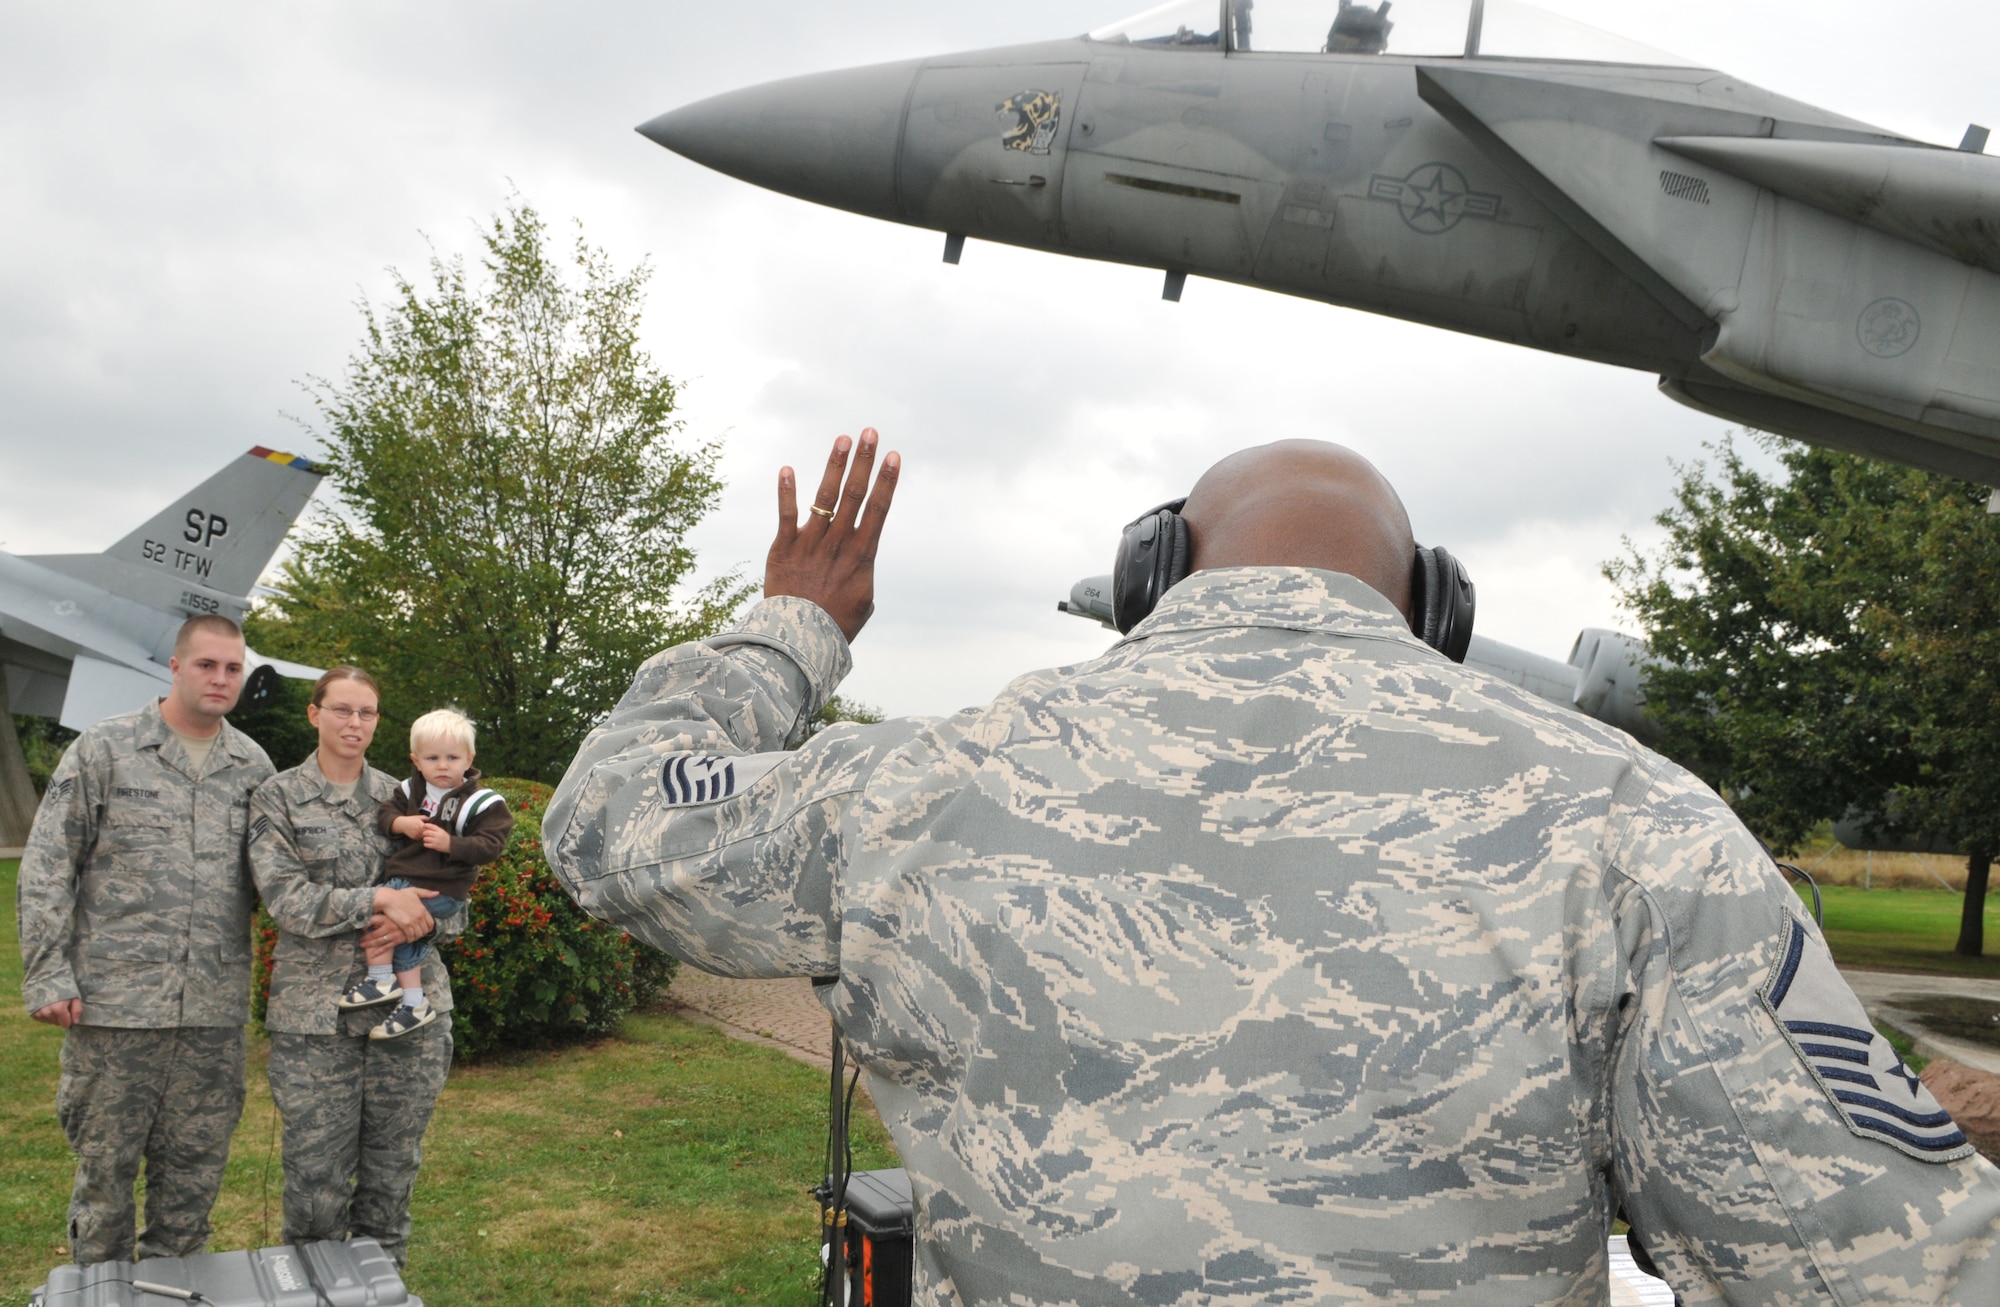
(135, 900)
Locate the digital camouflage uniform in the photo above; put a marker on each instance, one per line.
(355, 1109)
(1273, 958)
(135, 897)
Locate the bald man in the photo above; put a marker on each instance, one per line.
(1272, 956)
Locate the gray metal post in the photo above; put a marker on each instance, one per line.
(834, 1221)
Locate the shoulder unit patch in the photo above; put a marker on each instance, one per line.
(693, 779)
(1876, 1094)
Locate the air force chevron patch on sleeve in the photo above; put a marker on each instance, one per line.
(1865, 1078)
(692, 780)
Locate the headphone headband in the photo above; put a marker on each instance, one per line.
(1153, 557)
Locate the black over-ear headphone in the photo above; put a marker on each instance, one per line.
(1154, 553)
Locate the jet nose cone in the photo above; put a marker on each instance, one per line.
(830, 138)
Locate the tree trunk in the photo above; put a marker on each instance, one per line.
(1972, 925)
(17, 790)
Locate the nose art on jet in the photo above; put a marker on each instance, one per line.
(829, 138)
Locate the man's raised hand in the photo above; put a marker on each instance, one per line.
(830, 557)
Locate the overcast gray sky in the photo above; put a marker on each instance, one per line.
(196, 196)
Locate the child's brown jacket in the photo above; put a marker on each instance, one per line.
(478, 820)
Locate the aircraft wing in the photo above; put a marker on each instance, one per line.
(98, 689)
(293, 671)
(63, 617)
(1845, 281)
(65, 649)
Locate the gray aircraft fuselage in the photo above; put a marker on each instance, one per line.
(1773, 263)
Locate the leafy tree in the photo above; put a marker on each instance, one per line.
(280, 726)
(513, 503)
(43, 743)
(1828, 641)
(838, 709)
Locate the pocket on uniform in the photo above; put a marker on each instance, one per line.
(144, 841)
(130, 941)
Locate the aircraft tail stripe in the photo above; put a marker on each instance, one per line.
(285, 460)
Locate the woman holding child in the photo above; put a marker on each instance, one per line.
(354, 1107)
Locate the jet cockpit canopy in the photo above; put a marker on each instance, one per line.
(1430, 29)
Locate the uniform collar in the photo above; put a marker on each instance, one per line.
(419, 787)
(154, 733)
(1278, 598)
(309, 782)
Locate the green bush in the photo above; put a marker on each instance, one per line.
(43, 742)
(280, 727)
(531, 969)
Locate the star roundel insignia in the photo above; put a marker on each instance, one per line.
(1434, 198)
(1889, 328)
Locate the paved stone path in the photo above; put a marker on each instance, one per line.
(780, 1014)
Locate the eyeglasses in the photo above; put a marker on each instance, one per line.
(342, 713)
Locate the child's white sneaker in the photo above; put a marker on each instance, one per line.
(404, 1020)
(370, 994)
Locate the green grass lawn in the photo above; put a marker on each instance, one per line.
(667, 1165)
(1905, 930)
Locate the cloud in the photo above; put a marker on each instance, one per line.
(197, 196)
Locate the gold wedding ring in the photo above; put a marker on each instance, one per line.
(826, 513)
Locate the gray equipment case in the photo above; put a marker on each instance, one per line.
(353, 1274)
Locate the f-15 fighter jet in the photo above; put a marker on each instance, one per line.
(86, 636)
(1477, 165)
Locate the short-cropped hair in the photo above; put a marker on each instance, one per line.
(206, 624)
(446, 724)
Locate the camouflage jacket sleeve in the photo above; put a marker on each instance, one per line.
(398, 807)
(1768, 1145)
(64, 832)
(295, 901)
(485, 837)
(684, 822)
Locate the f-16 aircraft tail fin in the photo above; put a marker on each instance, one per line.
(203, 553)
(224, 532)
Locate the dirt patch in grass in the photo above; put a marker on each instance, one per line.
(1976, 1021)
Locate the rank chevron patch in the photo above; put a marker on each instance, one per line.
(1876, 1094)
(690, 780)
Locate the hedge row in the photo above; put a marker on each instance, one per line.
(531, 969)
